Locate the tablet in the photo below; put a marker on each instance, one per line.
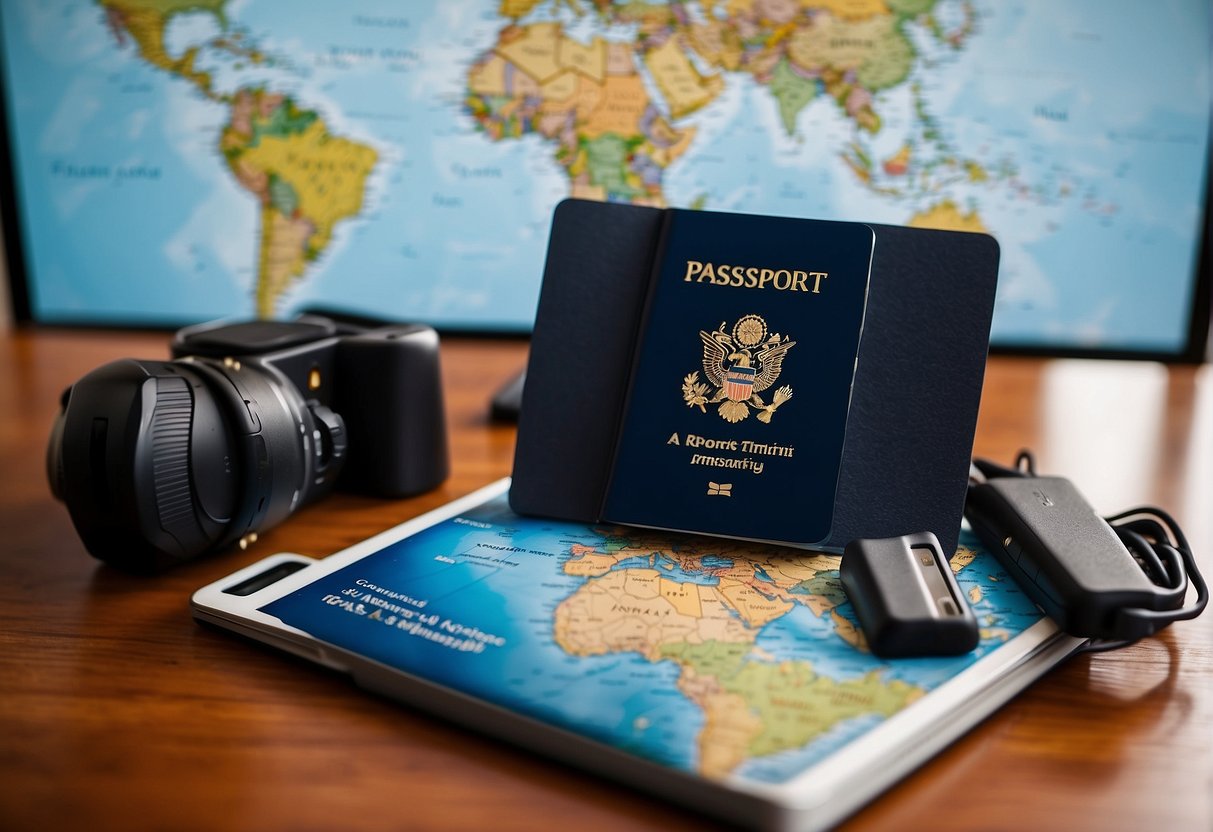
(729, 677)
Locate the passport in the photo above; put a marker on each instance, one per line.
(796, 381)
(741, 384)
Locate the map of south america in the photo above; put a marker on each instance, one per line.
(306, 179)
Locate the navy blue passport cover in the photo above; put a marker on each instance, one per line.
(904, 456)
(739, 392)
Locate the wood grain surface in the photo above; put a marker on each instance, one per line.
(117, 711)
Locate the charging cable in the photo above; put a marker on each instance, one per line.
(1113, 580)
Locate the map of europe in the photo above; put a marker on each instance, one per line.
(712, 656)
(185, 159)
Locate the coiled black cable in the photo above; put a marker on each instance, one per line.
(1156, 543)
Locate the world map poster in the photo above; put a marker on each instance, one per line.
(177, 160)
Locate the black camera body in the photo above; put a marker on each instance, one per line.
(162, 461)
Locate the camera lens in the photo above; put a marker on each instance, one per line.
(161, 461)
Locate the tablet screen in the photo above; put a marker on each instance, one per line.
(726, 660)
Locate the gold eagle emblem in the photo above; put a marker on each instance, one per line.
(738, 365)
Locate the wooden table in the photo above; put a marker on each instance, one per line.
(118, 711)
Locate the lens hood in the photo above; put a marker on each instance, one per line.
(162, 461)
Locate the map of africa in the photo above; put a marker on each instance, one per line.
(711, 656)
(187, 159)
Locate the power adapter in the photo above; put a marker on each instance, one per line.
(1112, 580)
(906, 598)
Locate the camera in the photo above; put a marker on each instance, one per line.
(159, 462)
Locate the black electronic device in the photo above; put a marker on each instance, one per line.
(1117, 579)
(506, 403)
(906, 598)
(161, 461)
